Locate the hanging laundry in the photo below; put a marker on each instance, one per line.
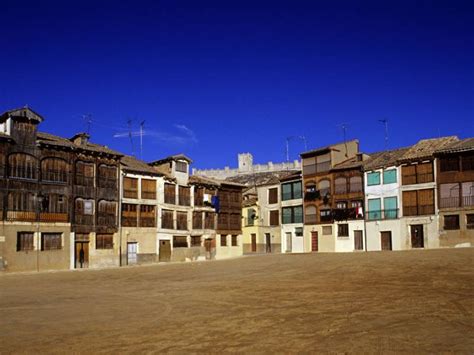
(215, 203)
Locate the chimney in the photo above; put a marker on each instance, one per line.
(80, 138)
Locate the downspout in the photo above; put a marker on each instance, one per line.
(120, 215)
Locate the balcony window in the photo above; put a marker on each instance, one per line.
(468, 193)
(209, 220)
(310, 216)
(418, 202)
(22, 166)
(292, 214)
(449, 195)
(324, 188)
(170, 193)
(417, 173)
(199, 196)
(291, 191)
(84, 174)
(197, 220)
(311, 193)
(340, 185)
(184, 197)
(467, 162)
(107, 176)
(167, 221)
(129, 215)
(449, 164)
(355, 184)
(147, 216)
(373, 178)
(390, 208)
(106, 213)
(389, 176)
(130, 187)
(325, 215)
(54, 170)
(374, 209)
(182, 220)
(148, 189)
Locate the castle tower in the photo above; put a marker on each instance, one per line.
(245, 162)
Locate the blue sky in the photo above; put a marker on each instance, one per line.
(215, 78)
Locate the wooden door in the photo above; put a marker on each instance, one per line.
(81, 256)
(314, 241)
(417, 237)
(132, 253)
(268, 242)
(254, 242)
(165, 250)
(358, 241)
(386, 240)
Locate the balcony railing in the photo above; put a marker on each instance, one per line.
(130, 193)
(147, 222)
(54, 217)
(149, 195)
(129, 221)
(382, 214)
(25, 216)
(85, 220)
(468, 200)
(106, 220)
(418, 210)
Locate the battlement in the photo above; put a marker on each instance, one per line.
(246, 166)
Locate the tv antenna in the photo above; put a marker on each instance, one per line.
(142, 125)
(344, 135)
(303, 138)
(88, 120)
(385, 123)
(129, 122)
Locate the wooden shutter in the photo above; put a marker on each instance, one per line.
(408, 175)
(409, 203)
(274, 218)
(424, 172)
(273, 195)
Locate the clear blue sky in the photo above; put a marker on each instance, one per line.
(214, 78)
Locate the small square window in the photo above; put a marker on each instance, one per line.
(389, 176)
(234, 241)
(373, 178)
(327, 230)
(451, 222)
(196, 241)
(223, 240)
(470, 221)
(24, 241)
(342, 230)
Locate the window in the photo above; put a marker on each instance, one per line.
(54, 203)
(274, 218)
(107, 176)
(21, 201)
(309, 166)
(251, 216)
(104, 241)
(298, 231)
(418, 202)
(130, 187)
(235, 221)
(324, 188)
(180, 242)
(147, 216)
(51, 241)
(184, 197)
(327, 230)
(129, 215)
(325, 215)
(449, 164)
(84, 212)
(209, 220)
(84, 174)
(24, 241)
(182, 220)
(181, 166)
(323, 163)
(342, 230)
(234, 240)
(22, 166)
(449, 195)
(273, 195)
(341, 205)
(417, 173)
(292, 214)
(223, 240)
(390, 176)
(88, 207)
(197, 220)
(54, 170)
(373, 178)
(167, 219)
(106, 213)
(170, 193)
(451, 222)
(390, 207)
(374, 209)
(196, 241)
(199, 196)
(311, 192)
(467, 162)
(470, 221)
(468, 193)
(340, 185)
(310, 215)
(148, 189)
(291, 191)
(355, 184)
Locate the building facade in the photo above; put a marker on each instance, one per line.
(291, 192)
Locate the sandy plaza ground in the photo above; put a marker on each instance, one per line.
(414, 301)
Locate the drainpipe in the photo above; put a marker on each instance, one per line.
(121, 174)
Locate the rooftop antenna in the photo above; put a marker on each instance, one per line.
(129, 122)
(344, 134)
(303, 138)
(142, 125)
(385, 123)
(88, 119)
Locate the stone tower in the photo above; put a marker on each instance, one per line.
(245, 162)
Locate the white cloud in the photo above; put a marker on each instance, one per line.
(185, 136)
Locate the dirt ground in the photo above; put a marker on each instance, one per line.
(414, 301)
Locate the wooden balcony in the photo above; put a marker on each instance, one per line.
(54, 217)
(21, 216)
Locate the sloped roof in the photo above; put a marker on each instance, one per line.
(259, 179)
(22, 112)
(202, 180)
(384, 159)
(172, 158)
(249, 202)
(463, 145)
(295, 175)
(325, 148)
(352, 163)
(133, 164)
(51, 139)
(425, 148)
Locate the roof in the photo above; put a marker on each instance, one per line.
(425, 148)
(293, 176)
(259, 179)
(249, 202)
(202, 180)
(463, 145)
(383, 159)
(326, 148)
(133, 164)
(50, 139)
(22, 112)
(352, 163)
(172, 158)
